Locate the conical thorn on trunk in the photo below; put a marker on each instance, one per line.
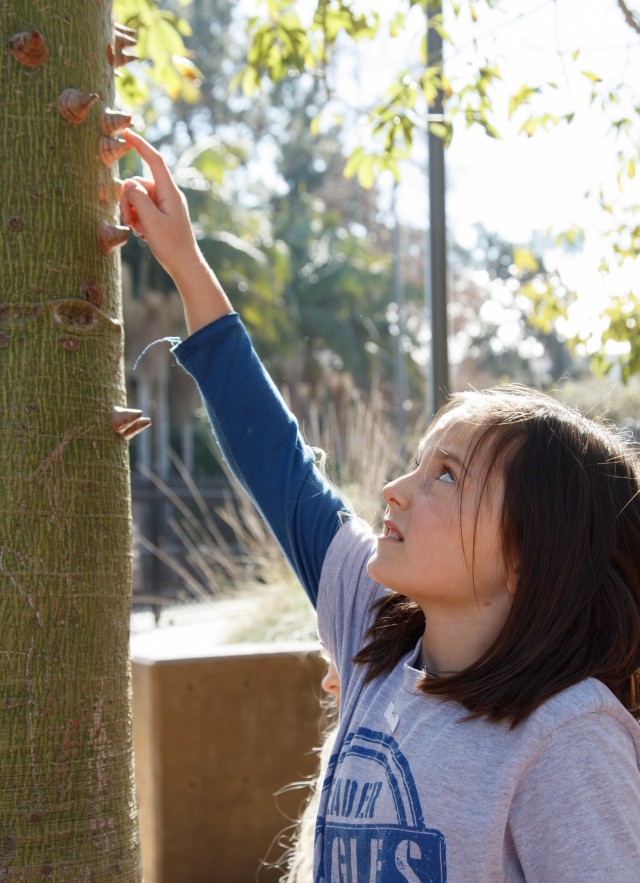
(128, 422)
(136, 428)
(29, 48)
(111, 236)
(111, 149)
(126, 31)
(119, 52)
(112, 122)
(74, 105)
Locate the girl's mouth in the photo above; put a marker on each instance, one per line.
(391, 532)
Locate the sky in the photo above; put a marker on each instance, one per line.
(519, 186)
(519, 183)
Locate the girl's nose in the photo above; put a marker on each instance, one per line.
(331, 682)
(398, 492)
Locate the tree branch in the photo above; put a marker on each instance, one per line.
(629, 16)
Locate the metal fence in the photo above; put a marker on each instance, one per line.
(156, 584)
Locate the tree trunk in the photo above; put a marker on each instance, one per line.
(67, 804)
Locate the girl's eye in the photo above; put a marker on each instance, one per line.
(447, 476)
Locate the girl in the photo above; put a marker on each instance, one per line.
(487, 643)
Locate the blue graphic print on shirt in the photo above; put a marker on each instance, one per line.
(374, 829)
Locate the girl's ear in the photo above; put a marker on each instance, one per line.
(512, 580)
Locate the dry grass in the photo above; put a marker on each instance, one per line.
(229, 552)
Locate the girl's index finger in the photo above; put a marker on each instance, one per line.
(150, 155)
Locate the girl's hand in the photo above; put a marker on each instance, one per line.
(157, 211)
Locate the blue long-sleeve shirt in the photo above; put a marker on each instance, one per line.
(262, 445)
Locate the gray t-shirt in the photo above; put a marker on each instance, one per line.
(414, 793)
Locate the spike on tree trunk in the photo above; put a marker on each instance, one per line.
(67, 804)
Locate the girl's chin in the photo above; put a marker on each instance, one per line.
(372, 566)
(377, 572)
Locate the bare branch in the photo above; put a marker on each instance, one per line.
(629, 16)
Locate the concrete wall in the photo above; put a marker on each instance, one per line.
(214, 740)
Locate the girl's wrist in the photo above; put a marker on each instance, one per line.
(182, 259)
(203, 298)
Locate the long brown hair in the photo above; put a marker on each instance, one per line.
(570, 531)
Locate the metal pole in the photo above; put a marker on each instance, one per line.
(436, 270)
(398, 299)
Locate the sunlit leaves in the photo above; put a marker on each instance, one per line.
(187, 68)
(132, 90)
(546, 307)
(444, 131)
(522, 96)
(626, 245)
(533, 123)
(278, 47)
(437, 24)
(368, 166)
(473, 102)
(397, 24)
(422, 99)
(163, 57)
(623, 317)
(335, 16)
(572, 238)
(524, 260)
(281, 44)
(211, 158)
(431, 83)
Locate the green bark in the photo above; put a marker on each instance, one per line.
(67, 803)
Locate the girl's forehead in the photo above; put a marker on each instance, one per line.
(453, 429)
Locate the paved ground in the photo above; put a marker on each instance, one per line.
(192, 631)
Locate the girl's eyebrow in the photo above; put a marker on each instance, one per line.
(449, 455)
(441, 453)
(453, 457)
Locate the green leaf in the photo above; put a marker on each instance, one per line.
(249, 80)
(439, 130)
(522, 96)
(489, 128)
(397, 24)
(529, 126)
(366, 175)
(436, 23)
(351, 167)
(131, 90)
(525, 261)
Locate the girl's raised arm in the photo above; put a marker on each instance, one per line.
(257, 435)
(156, 210)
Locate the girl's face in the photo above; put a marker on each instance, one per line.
(441, 543)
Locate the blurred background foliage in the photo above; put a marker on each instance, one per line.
(327, 277)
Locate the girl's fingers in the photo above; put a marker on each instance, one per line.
(137, 204)
(148, 183)
(130, 184)
(126, 213)
(153, 207)
(152, 157)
